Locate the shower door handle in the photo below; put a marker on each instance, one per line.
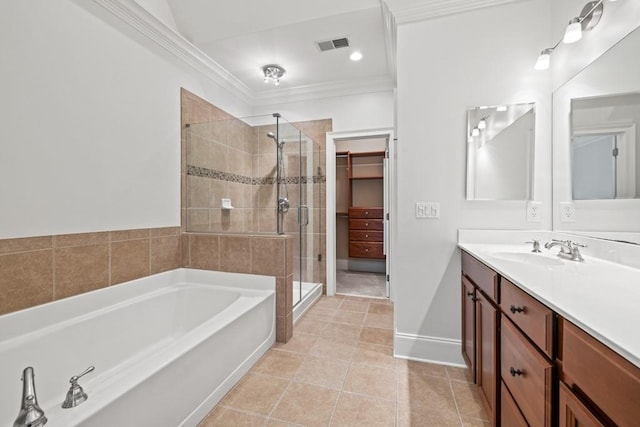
(306, 217)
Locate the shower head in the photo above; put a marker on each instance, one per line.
(273, 136)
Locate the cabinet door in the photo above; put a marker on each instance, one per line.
(573, 413)
(487, 353)
(469, 325)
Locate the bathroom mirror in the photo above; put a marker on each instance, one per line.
(604, 147)
(596, 152)
(500, 143)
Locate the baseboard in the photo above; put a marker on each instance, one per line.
(421, 348)
(342, 264)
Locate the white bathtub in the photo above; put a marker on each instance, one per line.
(166, 348)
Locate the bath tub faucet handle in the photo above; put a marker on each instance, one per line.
(76, 394)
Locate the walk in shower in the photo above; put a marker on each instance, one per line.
(259, 175)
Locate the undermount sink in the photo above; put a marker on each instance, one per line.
(528, 258)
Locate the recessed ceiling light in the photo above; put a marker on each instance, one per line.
(355, 56)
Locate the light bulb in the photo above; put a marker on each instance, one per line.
(482, 124)
(573, 33)
(501, 108)
(475, 132)
(355, 56)
(276, 82)
(543, 60)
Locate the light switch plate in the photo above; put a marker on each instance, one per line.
(427, 210)
(534, 211)
(567, 212)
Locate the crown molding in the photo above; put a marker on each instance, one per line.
(323, 90)
(407, 11)
(390, 39)
(138, 18)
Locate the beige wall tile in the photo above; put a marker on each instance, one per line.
(26, 279)
(198, 192)
(129, 260)
(198, 220)
(198, 153)
(204, 252)
(235, 133)
(80, 239)
(80, 269)
(235, 254)
(267, 256)
(165, 231)
(25, 244)
(219, 157)
(166, 253)
(119, 235)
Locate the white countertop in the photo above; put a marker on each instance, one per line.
(601, 297)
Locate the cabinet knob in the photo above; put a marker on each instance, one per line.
(366, 235)
(469, 293)
(366, 250)
(515, 372)
(366, 212)
(515, 309)
(366, 224)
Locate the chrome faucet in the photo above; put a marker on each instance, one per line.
(568, 249)
(536, 246)
(76, 394)
(30, 414)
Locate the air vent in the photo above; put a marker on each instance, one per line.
(332, 44)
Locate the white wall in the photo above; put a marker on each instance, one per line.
(445, 66)
(354, 112)
(90, 130)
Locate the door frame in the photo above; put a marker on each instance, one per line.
(390, 185)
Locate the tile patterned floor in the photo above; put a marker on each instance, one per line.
(338, 370)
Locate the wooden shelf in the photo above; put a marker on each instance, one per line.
(368, 177)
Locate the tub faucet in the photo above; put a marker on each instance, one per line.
(568, 249)
(76, 394)
(30, 414)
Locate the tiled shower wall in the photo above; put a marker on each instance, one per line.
(37, 270)
(230, 159)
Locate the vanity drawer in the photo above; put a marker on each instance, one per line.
(611, 382)
(366, 213)
(527, 374)
(366, 224)
(532, 317)
(366, 250)
(510, 415)
(484, 278)
(366, 236)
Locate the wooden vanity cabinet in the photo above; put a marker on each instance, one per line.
(480, 335)
(597, 384)
(534, 368)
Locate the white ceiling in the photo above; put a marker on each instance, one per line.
(242, 36)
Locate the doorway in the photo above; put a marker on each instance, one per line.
(358, 207)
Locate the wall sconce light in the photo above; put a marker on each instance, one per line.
(273, 73)
(588, 19)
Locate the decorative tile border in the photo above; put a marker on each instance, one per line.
(232, 177)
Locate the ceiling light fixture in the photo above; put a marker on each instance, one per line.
(273, 73)
(355, 56)
(588, 19)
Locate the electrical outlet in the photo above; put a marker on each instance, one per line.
(534, 211)
(567, 212)
(428, 210)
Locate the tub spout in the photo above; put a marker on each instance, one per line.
(30, 414)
